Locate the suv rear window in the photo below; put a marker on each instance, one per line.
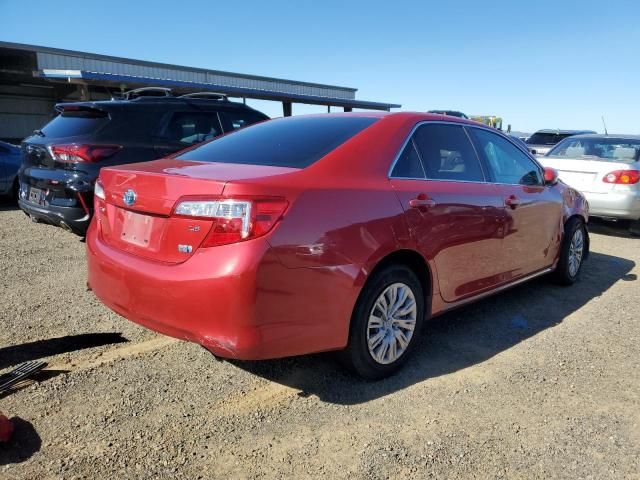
(294, 142)
(547, 138)
(72, 124)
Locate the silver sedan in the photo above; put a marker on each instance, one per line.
(605, 168)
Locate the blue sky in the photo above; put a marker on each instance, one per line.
(543, 64)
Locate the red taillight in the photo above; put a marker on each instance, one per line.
(234, 220)
(622, 177)
(75, 153)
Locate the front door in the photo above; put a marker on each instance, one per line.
(454, 215)
(533, 211)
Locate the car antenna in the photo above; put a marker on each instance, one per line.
(605, 126)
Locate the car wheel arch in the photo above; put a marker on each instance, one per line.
(584, 223)
(411, 259)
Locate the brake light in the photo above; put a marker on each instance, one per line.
(74, 153)
(622, 177)
(234, 220)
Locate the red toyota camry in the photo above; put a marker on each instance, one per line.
(329, 232)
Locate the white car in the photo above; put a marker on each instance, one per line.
(605, 168)
(544, 140)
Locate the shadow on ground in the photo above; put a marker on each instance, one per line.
(613, 228)
(8, 204)
(23, 444)
(455, 340)
(17, 354)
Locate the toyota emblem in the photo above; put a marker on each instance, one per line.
(129, 197)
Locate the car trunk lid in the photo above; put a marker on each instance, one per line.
(140, 198)
(585, 174)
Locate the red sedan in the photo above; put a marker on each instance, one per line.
(329, 232)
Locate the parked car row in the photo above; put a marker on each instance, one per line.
(340, 232)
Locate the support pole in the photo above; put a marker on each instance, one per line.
(286, 109)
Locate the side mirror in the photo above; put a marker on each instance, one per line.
(550, 176)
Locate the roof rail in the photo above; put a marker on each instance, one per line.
(142, 92)
(217, 96)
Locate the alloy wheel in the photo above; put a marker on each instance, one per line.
(576, 250)
(391, 324)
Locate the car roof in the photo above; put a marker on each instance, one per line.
(415, 116)
(563, 132)
(612, 136)
(150, 100)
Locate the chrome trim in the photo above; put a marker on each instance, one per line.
(502, 288)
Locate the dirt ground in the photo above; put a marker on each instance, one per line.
(538, 382)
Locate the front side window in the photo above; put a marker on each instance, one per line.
(188, 128)
(447, 153)
(509, 164)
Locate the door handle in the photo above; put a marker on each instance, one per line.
(512, 201)
(422, 202)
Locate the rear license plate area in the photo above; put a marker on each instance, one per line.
(136, 228)
(37, 196)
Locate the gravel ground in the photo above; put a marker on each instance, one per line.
(538, 382)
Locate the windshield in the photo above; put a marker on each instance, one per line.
(612, 149)
(294, 142)
(547, 138)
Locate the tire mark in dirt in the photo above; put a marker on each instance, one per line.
(262, 397)
(108, 356)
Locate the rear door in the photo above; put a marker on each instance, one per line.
(453, 213)
(533, 211)
(182, 129)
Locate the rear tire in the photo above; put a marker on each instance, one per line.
(634, 228)
(386, 323)
(572, 252)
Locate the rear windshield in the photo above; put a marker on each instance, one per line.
(547, 138)
(626, 150)
(295, 142)
(69, 124)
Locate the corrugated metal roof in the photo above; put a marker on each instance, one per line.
(237, 91)
(60, 59)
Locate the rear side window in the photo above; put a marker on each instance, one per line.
(295, 142)
(508, 163)
(73, 124)
(233, 120)
(447, 153)
(408, 164)
(188, 128)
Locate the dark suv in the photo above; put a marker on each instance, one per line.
(61, 162)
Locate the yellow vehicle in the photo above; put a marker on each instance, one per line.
(489, 120)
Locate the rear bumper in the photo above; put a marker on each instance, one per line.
(621, 205)
(237, 300)
(75, 219)
(68, 198)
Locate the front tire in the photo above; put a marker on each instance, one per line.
(386, 323)
(572, 252)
